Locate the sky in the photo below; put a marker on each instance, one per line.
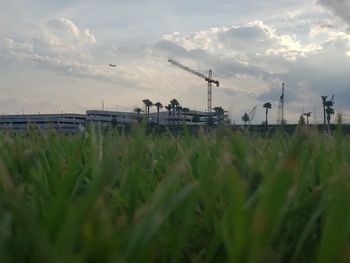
(54, 55)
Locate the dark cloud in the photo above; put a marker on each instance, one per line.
(340, 8)
(274, 94)
(342, 97)
(252, 39)
(320, 72)
(171, 48)
(223, 66)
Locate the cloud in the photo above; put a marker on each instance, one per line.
(227, 61)
(8, 43)
(64, 25)
(340, 8)
(253, 38)
(253, 59)
(244, 42)
(170, 47)
(250, 60)
(243, 55)
(63, 37)
(59, 46)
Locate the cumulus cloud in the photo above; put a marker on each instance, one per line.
(60, 45)
(8, 43)
(244, 41)
(64, 25)
(250, 57)
(63, 37)
(58, 39)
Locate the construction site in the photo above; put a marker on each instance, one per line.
(172, 114)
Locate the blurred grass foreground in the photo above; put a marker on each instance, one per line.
(206, 197)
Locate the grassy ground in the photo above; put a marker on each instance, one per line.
(217, 197)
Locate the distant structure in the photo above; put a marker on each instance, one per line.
(76, 123)
(189, 117)
(206, 78)
(248, 117)
(252, 114)
(280, 115)
(267, 106)
(63, 123)
(308, 115)
(328, 111)
(324, 99)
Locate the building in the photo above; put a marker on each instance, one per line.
(75, 123)
(192, 118)
(65, 123)
(105, 118)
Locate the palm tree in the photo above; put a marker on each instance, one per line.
(245, 118)
(267, 106)
(219, 111)
(178, 109)
(185, 111)
(148, 104)
(138, 111)
(308, 115)
(146, 101)
(329, 111)
(174, 103)
(159, 106)
(169, 107)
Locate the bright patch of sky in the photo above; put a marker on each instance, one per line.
(54, 55)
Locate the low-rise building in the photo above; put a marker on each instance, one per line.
(106, 118)
(192, 118)
(73, 123)
(65, 123)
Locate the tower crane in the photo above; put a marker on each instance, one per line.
(252, 114)
(280, 115)
(206, 78)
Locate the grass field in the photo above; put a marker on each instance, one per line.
(211, 197)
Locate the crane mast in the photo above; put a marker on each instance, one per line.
(206, 78)
(252, 114)
(280, 116)
(210, 93)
